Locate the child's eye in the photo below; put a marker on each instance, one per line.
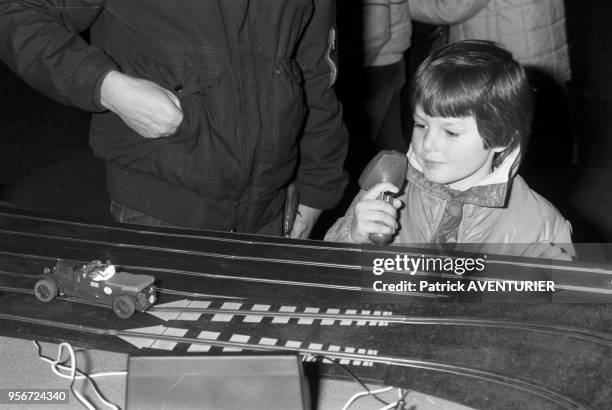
(452, 134)
(419, 125)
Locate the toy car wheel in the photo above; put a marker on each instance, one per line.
(124, 306)
(45, 290)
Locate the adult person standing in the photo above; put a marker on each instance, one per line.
(387, 31)
(532, 30)
(204, 110)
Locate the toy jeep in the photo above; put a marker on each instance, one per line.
(98, 282)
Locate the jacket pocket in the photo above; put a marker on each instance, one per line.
(193, 104)
(201, 149)
(288, 107)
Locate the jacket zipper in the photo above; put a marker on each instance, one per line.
(241, 119)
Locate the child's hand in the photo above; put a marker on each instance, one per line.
(374, 215)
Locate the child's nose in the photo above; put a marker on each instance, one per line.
(431, 140)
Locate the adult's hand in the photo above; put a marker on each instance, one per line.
(304, 221)
(147, 108)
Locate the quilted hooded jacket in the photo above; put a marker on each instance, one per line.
(533, 30)
(500, 214)
(387, 24)
(252, 76)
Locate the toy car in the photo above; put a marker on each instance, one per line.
(98, 282)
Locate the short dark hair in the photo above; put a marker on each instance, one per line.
(480, 79)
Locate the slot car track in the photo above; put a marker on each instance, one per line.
(230, 293)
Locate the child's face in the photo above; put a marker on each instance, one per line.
(450, 150)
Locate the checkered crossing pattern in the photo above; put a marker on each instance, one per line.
(255, 313)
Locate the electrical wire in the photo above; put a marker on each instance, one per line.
(402, 398)
(390, 406)
(354, 376)
(400, 404)
(368, 393)
(75, 374)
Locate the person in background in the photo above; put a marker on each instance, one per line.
(204, 112)
(472, 114)
(387, 31)
(532, 30)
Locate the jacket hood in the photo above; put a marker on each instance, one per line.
(492, 191)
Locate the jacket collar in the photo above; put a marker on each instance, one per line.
(490, 192)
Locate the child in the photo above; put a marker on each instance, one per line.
(472, 113)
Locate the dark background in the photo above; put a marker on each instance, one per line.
(47, 166)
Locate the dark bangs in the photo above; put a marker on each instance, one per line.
(448, 90)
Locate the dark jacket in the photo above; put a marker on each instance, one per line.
(252, 76)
